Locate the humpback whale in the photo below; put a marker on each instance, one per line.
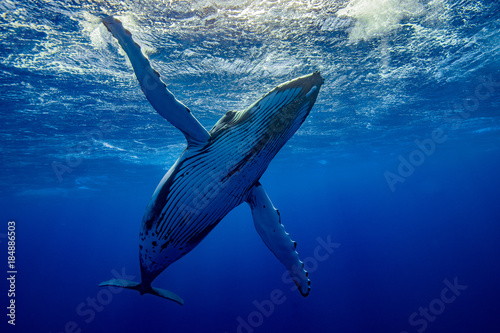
(219, 170)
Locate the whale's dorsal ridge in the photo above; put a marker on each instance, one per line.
(160, 98)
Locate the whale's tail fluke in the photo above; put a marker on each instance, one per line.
(127, 284)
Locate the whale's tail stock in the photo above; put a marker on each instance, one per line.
(127, 284)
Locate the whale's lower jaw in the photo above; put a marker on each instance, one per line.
(206, 184)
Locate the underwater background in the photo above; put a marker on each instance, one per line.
(391, 187)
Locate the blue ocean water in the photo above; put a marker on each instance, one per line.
(390, 187)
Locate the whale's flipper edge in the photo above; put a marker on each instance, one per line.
(267, 222)
(127, 284)
(162, 100)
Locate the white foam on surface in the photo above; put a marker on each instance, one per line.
(376, 18)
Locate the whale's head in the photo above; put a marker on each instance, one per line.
(266, 125)
(275, 117)
(287, 106)
(283, 109)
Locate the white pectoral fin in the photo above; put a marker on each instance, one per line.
(162, 100)
(268, 224)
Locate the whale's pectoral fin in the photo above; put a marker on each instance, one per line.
(268, 224)
(162, 100)
(127, 284)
